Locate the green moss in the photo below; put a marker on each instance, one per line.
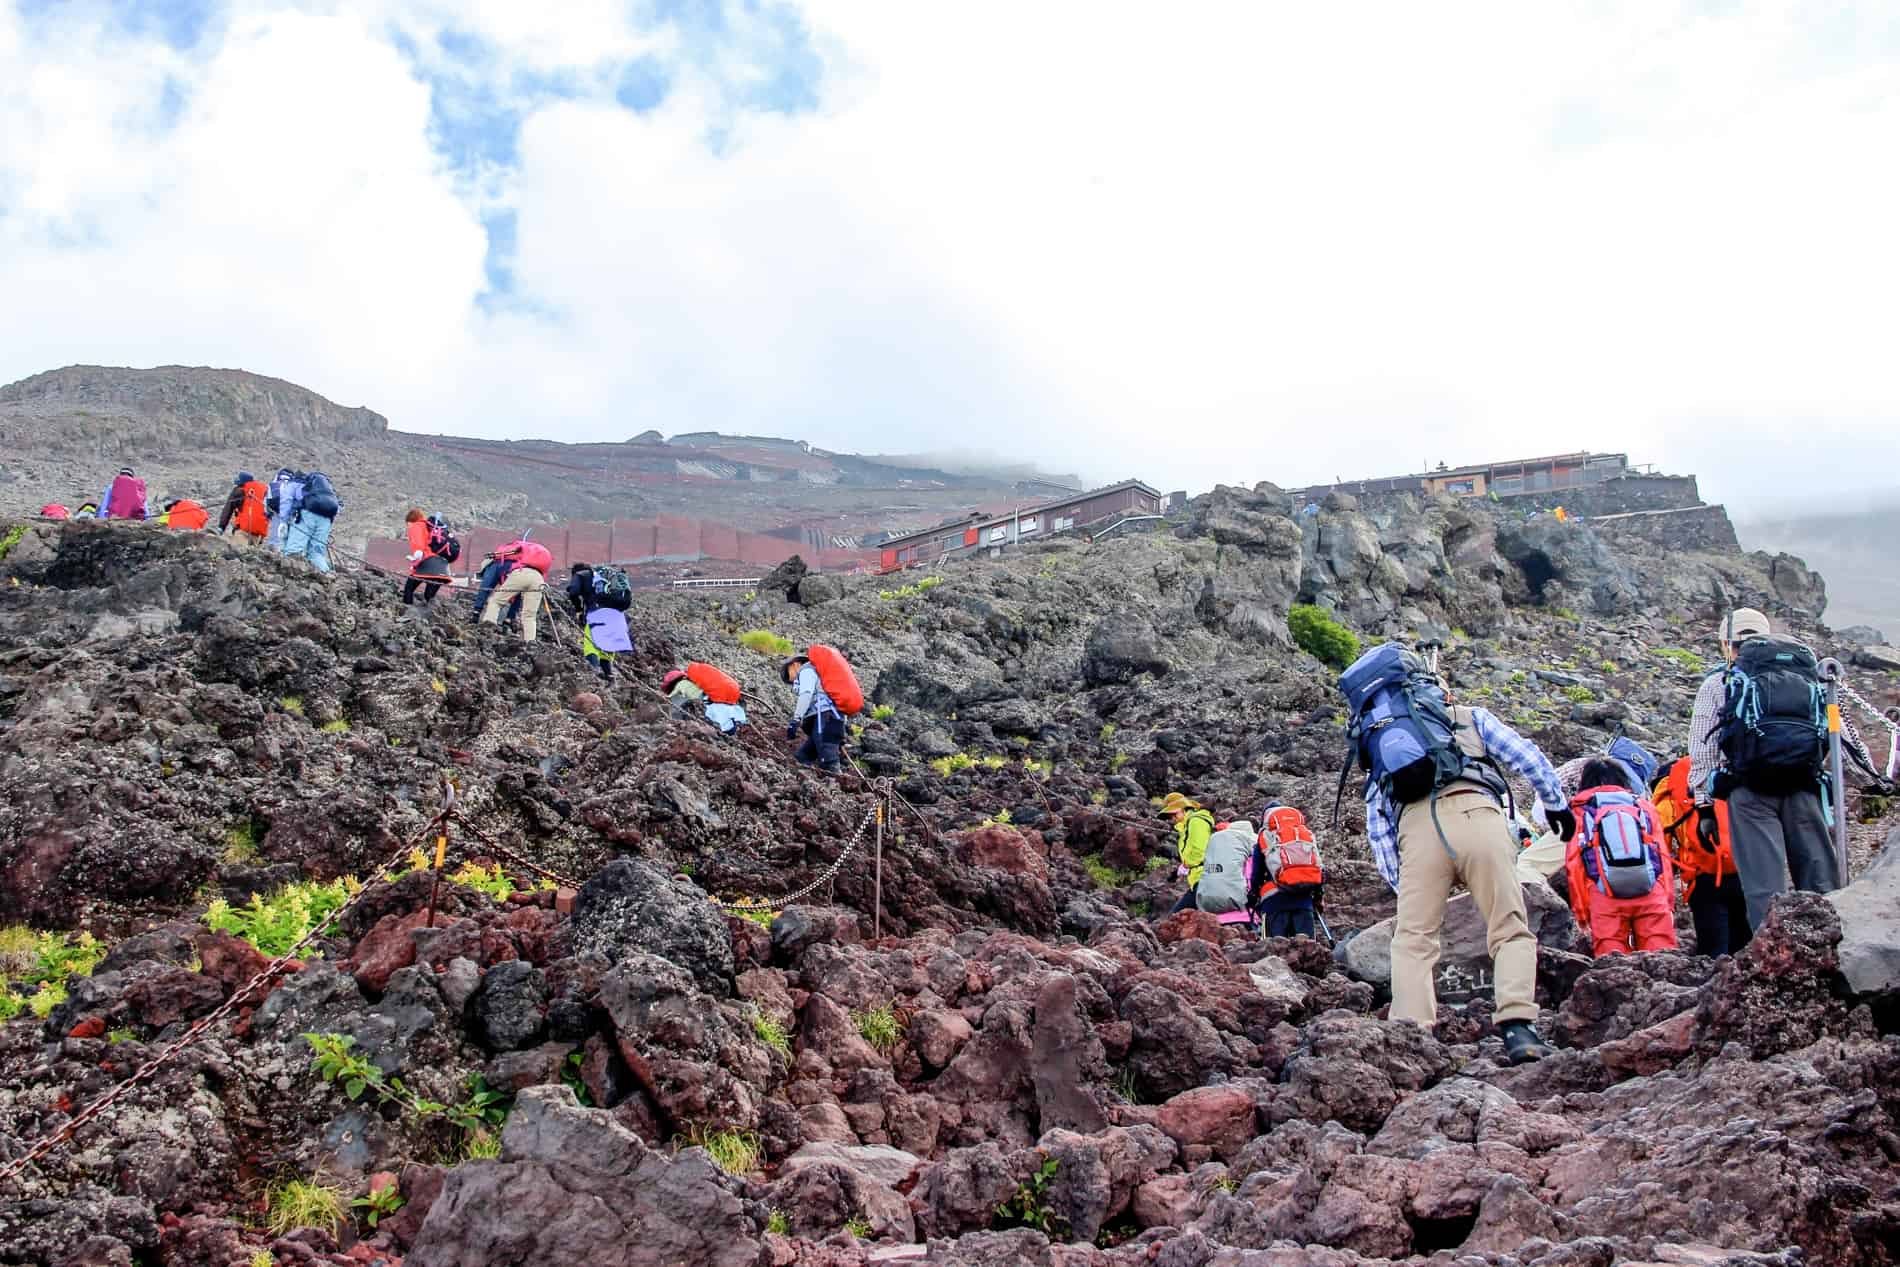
(765, 642)
(12, 539)
(1316, 632)
(1579, 695)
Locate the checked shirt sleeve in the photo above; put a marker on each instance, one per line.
(1520, 756)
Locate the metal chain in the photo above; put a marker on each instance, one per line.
(45, 1147)
(780, 903)
(1875, 713)
(516, 858)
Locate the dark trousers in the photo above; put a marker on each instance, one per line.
(1780, 842)
(824, 737)
(1287, 913)
(1189, 900)
(1720, 914)
(427, 584)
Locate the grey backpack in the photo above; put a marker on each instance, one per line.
(1227, 871)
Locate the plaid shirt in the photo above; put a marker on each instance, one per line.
(1510, 749)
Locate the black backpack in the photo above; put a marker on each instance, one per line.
(319, 496)
(443, 541)
(612, 588)
(1773, 727)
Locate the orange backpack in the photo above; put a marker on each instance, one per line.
(1676, 807)
(1292, 853)
(835, 675)
(251, 516)
(186, 514)
(719, 687)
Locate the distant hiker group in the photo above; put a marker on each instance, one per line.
(294, 513)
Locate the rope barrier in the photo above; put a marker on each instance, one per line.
(13, 1169)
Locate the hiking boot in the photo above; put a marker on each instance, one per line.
(1521, 1043)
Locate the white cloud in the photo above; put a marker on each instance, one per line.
(1254, 241)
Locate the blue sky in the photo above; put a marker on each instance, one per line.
(1249, 242)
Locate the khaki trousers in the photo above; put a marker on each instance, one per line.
(525, 583)
(1486, 864)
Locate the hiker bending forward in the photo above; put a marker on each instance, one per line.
(1472, 844)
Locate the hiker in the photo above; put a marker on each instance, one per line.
(1709, 884)
(124, 497)
(280, 502)
(1290, 891)
(1436, 816)
(308, 536)
(182, 514)
(493, 572)
(827, 692)
(245, 516)
(53, 510)
(601, 596)
(429, 552)
(528, 566)
(87, 510)
(1758, 739)
(1622, 887)
(1232, 874)
(709, 690)
(1193, 826)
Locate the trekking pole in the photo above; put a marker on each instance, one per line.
(441, 846)
(1324, 928)
(1832, 674)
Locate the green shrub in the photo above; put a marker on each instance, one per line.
(117, 1036)
(1316, 632)
(1108, 731)
(947, 766)
(859, 1227)
(777, 1224)
(11, 539)
(292, 704)
(262, 1258)
(1609, 666)
(336, 727)
(880, 1027)
(491, 880)
(481, 1146)
(299, 1203)
(1565, 613)
(379, 1204)
(1029, 1205)
(34, 967)
(882, 712)
(1580, 695)
(1105, 876)
(286, 917)
(765, 642)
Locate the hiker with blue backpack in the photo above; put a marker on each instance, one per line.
(1758, 739)
(1438, 814)
(308, 536)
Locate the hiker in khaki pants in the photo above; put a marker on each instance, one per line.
(1476, 849)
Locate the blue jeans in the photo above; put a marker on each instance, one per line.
(490, 579)
(309, 538)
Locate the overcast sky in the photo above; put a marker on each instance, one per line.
(1192, 243)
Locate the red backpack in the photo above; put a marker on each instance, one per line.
(835, 675)
(532, 554)
(719, 686)
(1619, 841)
(1292, 853)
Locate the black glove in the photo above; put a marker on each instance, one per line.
(1707, 830)
(1563, 822)
(791, 730)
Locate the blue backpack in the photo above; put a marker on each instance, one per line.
(1620, 840)
(319, 496)
(1400, 730)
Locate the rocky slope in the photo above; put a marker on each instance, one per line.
(1025, 1067)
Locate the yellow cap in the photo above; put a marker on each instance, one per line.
(1176, 802)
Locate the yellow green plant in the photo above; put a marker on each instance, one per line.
(771, 1033)
(292, 704)
(879, 1027)
(240, 843)
(735, 1152)
(765, 642)
(34, 967)
(947, 766)
(296, 1203)
(491, 880)
(481, 1146)
(335, 727)
(276, 923)
(882, 712)
(1319, 635)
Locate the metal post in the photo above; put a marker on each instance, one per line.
(877, 877)
(1831, 673)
